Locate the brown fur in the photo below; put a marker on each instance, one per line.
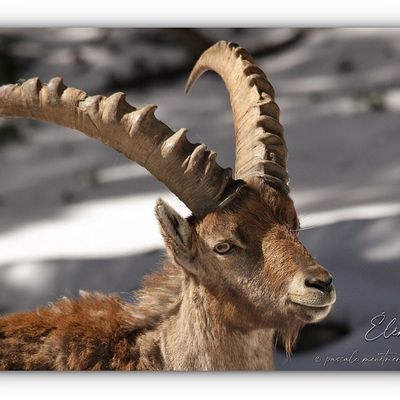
(201, 311)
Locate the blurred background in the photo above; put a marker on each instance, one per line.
(75, 214)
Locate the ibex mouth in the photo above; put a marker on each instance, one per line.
(311, 306)
(313, 299)
(304, 304)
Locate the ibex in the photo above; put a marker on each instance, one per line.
(236, 276)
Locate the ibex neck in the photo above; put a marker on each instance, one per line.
(197, 339)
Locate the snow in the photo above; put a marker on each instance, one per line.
(77, 215)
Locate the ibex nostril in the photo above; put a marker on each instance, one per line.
(325, 285)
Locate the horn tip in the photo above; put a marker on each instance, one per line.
(188, 86)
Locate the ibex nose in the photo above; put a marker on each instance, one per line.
(322, 282)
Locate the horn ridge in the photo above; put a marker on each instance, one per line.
(188, 170)
(253, 105)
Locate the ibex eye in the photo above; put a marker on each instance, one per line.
(222, 248)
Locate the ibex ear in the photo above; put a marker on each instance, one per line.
(177, 233)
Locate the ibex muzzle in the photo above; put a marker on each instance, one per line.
(236, 274)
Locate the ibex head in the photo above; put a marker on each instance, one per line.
(241, 242)
(246, 250)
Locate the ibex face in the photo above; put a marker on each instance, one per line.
(249, 257)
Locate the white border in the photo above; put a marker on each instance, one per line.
(232, 386)
(206, 13)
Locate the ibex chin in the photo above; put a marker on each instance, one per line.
(236, 275)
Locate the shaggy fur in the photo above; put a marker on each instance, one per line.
(98, 332)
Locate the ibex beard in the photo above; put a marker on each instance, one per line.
(236, 276)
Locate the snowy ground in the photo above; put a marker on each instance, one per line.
(77, 215)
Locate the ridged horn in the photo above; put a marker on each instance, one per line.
(260, 144)
(188, 170)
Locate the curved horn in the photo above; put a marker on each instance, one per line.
(188, 170)
(260, 144)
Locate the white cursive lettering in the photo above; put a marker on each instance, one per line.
(379, 329)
